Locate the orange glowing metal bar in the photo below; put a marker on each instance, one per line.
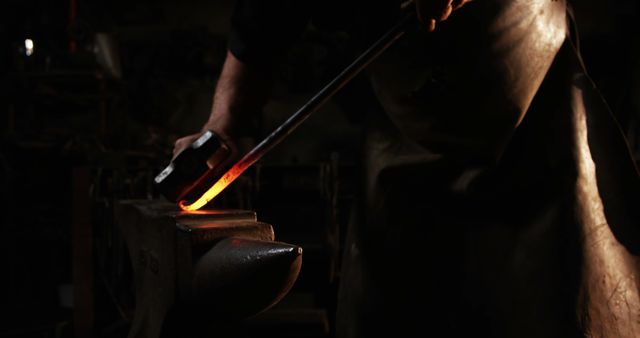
(217, 187)
(305, 111)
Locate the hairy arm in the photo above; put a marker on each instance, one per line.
(240, 94)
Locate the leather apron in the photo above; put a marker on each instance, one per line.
(498, 190)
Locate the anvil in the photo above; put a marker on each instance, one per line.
(193, 270)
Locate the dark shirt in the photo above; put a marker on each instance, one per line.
(262, 30)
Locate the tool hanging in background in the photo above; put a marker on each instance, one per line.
(198, 166)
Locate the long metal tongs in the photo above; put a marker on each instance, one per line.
(288, 126)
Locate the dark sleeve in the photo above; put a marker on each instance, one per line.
(262, 30)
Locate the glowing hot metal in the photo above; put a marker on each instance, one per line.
(220, 185)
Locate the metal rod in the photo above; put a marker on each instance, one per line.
(330, 89)
(288, 126)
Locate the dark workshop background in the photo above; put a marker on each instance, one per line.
(89, 115)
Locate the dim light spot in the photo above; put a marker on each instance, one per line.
(29, 47)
